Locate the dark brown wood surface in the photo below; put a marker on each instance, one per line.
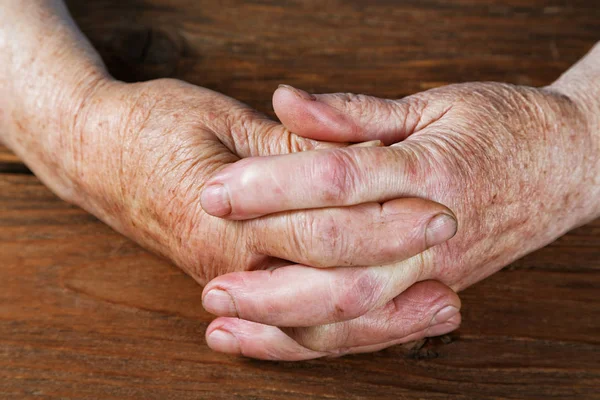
(86, 313)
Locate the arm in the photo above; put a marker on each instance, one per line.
(48, 69)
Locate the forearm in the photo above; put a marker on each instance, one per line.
(47, 71)
(581, 83)
(46, 65)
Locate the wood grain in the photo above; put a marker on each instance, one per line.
(86, 313)
(10, 163)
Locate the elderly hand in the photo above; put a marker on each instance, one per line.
(138, 155)
(519, 166)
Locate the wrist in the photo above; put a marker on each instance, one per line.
(581, 84)
(41, 122)
(42, 127)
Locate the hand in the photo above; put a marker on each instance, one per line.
(519, 166)
(138, 158)
(138, 155)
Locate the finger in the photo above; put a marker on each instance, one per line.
(437, 330)
(336, 177)
(250, 339)
(298, 296)
(247, 132)
(366, 234)
(264, 342)
(344, 117)
(426, 309)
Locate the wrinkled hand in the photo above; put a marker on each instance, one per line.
(137, 156)
(519, 167)
(140, 154)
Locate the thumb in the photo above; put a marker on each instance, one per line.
(343, 117)
(264, 137)
(249, 133)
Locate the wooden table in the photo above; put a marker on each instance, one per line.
(85, 313)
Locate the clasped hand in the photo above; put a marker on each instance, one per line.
(308, 247)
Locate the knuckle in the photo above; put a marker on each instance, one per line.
(356, 296)
(252, 134)
(316, 240)
(240, 124)
(410, 113)
(274, 139)
(337, 177)
(371, 110)
(356, 104)
(299, 233)
(365, 108)
(415, 164)
(327, 239)
(292, 143)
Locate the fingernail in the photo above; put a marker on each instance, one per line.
(219, 302)
(444, 315)
(224, 342)
(445, 327)
(215, 201)
(441, 228)
(372, 143)
(299, 93)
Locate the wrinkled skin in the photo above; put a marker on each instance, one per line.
(140, 160)
(518, 165)
(138, 155)
(512, 163)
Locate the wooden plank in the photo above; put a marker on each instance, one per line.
(10, 163)
(86, 313)
(388, 49)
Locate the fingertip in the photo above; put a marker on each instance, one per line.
(440, 229)
(438, 223)
(307, 116)
(219, 302)
(444, 315)
(216, 201)
(433, 295)
(444, 327)
(440, 305)
(223, 341)
(443, 303)
(234, 193)
(289, 106)
(249, 339)
(298, 93)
